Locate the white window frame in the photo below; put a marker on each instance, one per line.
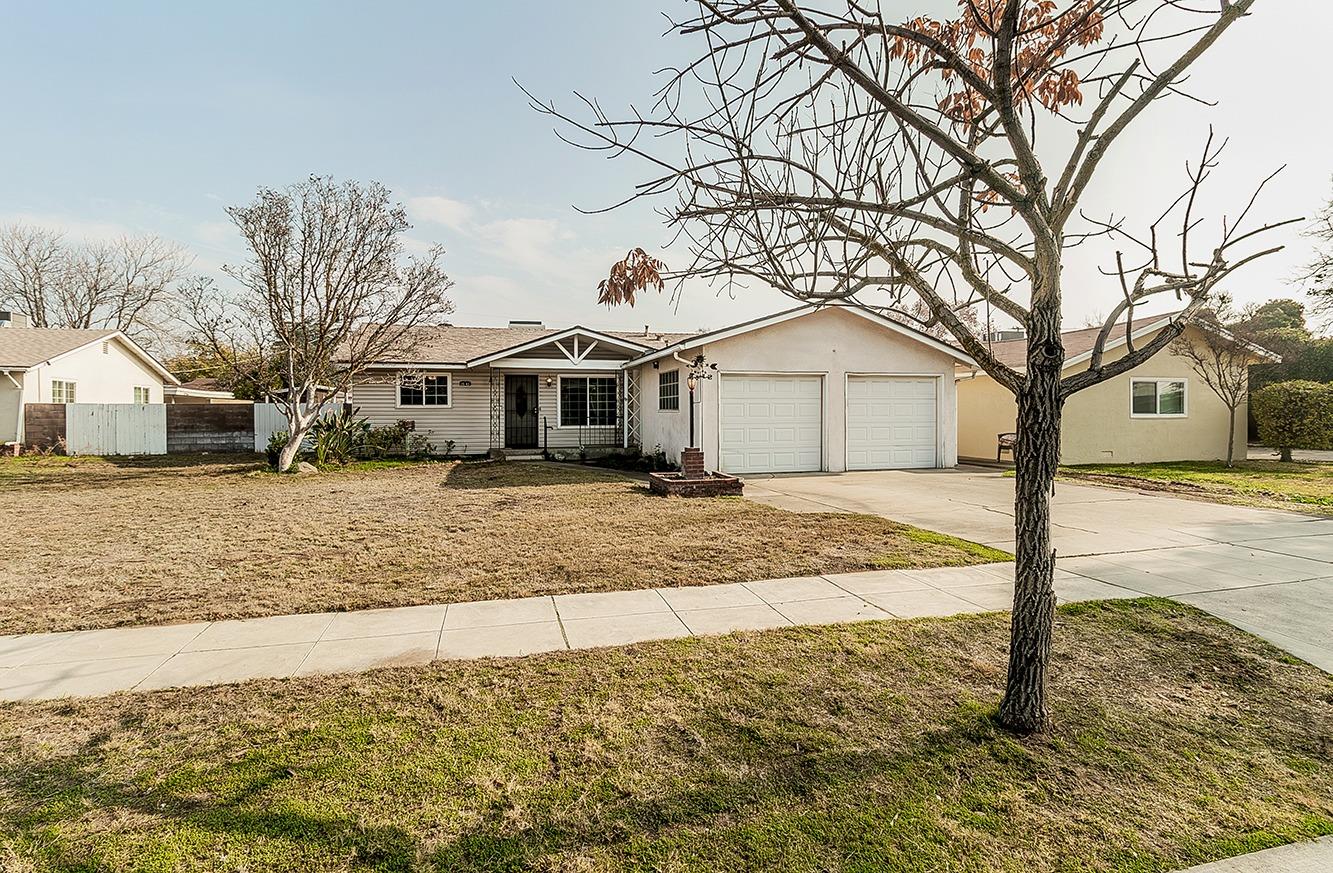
(1159, 382)
(147, 394)
(587, 399)
(70, 386)
(660, 374)
(448, 392)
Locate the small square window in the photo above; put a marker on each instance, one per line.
(668, 390)
(62, 391)
(143, 394)
(1157, 397)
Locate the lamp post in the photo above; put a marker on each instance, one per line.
(691, 381)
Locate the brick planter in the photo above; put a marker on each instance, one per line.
(707, 485)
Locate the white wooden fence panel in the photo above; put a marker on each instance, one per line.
(269, 417)
(116, 428)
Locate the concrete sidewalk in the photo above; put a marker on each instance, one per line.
(1312, 857)
(94, 662)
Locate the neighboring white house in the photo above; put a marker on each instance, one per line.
(46, 365)
(1158, 411)
(832, 388)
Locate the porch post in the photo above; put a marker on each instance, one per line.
(497, 409)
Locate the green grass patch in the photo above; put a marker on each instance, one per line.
(968, 551)
(1303, 484)
(1176, 739)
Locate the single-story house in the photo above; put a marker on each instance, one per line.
(201, 390)
(1158, 411)
(49, 365)
(832, 388)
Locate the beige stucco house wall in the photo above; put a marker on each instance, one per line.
(832, 344)
(1098, 427)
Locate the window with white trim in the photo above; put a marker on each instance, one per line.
(423, 390)
(143, 394)
(668, 390)
(1157, 398)
(62, 391)
(587, 401)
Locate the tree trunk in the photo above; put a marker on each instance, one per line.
(1284, 453)
(1231, 439)
(288, 453)
(1036, 456)
(298, 426)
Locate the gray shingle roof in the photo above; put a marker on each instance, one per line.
(29, 346)
(447, 344)
(1076, 342)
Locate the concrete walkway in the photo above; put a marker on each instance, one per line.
(1265, 571)
(1312, 857)
(38, 666)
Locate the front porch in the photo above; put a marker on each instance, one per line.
(564, 393)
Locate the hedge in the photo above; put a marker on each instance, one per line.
(1295, 415)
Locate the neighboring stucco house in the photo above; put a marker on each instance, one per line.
(47, 365)
(812, 388)
(1158, 411)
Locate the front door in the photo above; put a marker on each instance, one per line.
(520, 412)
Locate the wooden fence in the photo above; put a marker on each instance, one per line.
(153, 428)
(116, 428)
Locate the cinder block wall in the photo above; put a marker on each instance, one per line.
(223, 427)
(44, 424)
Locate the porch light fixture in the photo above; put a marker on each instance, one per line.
(550, 380)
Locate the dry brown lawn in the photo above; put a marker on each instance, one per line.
(1176, 739)
(123, 541)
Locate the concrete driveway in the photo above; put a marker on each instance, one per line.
(1267, 572)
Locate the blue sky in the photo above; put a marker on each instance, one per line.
(152, 117)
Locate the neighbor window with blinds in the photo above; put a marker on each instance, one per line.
(423, 390)
(61, 391)
(142, 395)
(1157, 398)
(587, 401)
(668, 390)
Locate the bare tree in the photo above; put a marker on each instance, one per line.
(838, 154)
(326, 292)
(1221, 358)
(125, 285)
(1319, 274)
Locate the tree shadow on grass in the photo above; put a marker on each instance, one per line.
(749, 770)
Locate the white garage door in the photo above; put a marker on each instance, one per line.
(890, 422)
(771, 424)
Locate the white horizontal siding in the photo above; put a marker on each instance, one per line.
(466, 421)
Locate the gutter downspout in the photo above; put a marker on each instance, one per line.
(18, 414)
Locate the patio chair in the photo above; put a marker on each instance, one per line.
(1005, 442)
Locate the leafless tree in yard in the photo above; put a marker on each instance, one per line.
(1221, 358)
(326, 291)
(838, 153)
(126, 285)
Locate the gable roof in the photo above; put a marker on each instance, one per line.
(691, 340)
(448, 345)
(24, 347)
(30, 346)
(1079, 343)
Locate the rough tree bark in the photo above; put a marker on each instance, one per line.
(1036, 456)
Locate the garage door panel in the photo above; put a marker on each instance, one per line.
(771, 424)
(891, 422)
